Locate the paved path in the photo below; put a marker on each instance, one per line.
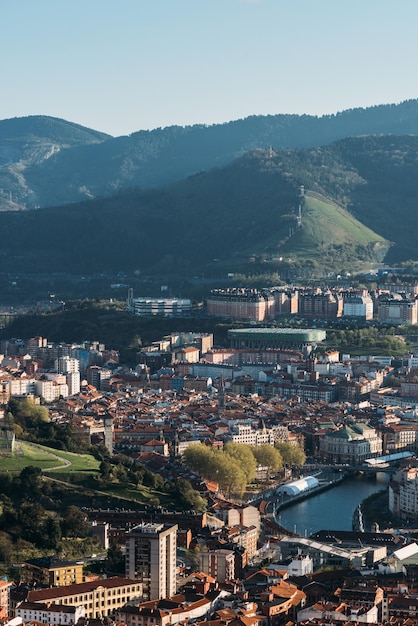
(64, 462)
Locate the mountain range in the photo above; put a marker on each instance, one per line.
(175, 199)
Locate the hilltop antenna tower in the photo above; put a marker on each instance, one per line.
(301, 201)
(299, 217)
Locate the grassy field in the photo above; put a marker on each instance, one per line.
(79, 471)
(48, 458)
(326, 225)
(29, 455)
(85, 463)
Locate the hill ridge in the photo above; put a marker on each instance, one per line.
(100, 165)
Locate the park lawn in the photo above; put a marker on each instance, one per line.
(46, 458)
(28, 455)
(85, 463)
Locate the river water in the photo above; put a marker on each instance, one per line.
(332, 509)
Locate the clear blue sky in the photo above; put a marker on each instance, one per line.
(125, 65)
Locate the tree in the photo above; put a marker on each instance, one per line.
(198, 457)
(6, 547)
(268, 457)
(75, 523)
(188, 497)
(228, 474)
(245, 458)
(192, 557)
(217, 466)
(31, 480)
(292, 454)
(115, 560)
(52, 533)
(105, 470)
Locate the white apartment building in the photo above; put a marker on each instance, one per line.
(21, 386)
(50, 614)
(403, 494)
(67, 364)
(70, 367)
(51, 390)
(73, 383)
(359, 306)
(243, 433)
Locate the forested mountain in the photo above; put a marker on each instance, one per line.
(44, 161)
(29, 141)
(360, 201)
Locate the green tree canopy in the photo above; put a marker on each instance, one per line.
(218, 466)
(269, 457)
(292, 454)
(75, 523)
(243, 454)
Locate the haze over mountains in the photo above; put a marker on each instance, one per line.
(181, 197)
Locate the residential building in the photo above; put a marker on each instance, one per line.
(151, 558)
(71, 368)
(51, 390)
(218, 563)
(249, 305)
(244, 433)
(179, 609)
(359, 305)
(320, 304)
(100, 598)
(4, 597)
(403, 494)
(399, 437)
(50, 614)
(51, 571)
(397, 309)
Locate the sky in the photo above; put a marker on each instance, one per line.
(119, 66)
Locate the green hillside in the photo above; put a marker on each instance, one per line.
(40, 172)
(361, 195)
(326, 228)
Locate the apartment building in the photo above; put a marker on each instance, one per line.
(52, 571)
(397, 309)
(100, 598)
(220, 564)
(151, 558)
(250, 305)
(403, 494)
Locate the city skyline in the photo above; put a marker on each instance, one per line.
(137, 65)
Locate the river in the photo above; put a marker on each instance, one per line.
(332, 509)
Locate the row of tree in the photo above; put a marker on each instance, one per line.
(235, 466)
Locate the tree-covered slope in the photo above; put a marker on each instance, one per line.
(247, 208)
(27, 142)
(151, 159)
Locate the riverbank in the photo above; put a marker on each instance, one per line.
(329, 508)
(324, 485)
(375, 510)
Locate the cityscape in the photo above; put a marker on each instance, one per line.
(228, 441)
(208, 313)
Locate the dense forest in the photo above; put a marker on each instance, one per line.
(228, 215)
